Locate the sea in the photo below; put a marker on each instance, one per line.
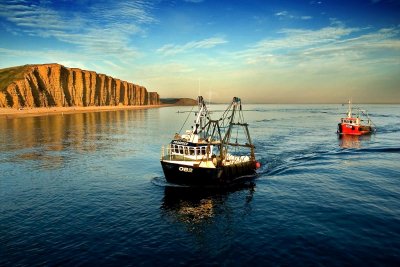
(87, 189)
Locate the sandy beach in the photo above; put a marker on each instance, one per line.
(46, 111)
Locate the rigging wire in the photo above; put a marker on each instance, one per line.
(190, 112)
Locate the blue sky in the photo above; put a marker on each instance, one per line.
(263, 51)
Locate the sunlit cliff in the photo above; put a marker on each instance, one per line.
(58, 86)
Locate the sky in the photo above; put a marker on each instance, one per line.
(264, 51)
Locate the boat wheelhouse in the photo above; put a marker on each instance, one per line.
(206, 154)
(354, 124)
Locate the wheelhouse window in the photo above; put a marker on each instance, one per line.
(183, 150)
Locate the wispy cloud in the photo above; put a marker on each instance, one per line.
(31, 17)
(313, 2)
(194, 1)
(159, 70)
(286, 15)
(98, 29)
(171, 49)
(293, 41)
(330, 59)
(136, 12)
(22, 57)
(325, 51)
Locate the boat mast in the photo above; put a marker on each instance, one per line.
(236, 102)
(349, 110)
(201, 116)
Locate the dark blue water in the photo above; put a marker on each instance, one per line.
(88, 189)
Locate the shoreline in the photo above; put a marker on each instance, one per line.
(46, 111)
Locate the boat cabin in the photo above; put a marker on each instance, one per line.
(190, 151)
(354, 121)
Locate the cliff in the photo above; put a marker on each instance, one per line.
(179, 101)
(55, 85)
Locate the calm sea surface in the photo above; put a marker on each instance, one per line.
(88, 189)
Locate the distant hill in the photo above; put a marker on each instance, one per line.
(179, 101)
(53, 85)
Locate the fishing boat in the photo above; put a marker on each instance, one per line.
(356, 124)
(212, 152)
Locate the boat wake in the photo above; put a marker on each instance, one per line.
(285, 163)
(373, 150)
(394, 128)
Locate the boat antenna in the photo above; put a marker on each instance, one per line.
(349, 111)
(209, 97)
(199, 86)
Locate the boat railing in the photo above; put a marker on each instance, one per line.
(167, 153)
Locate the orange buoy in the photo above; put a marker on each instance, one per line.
(258, 165)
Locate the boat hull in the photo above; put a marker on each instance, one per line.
(344, 128)
(198, 176)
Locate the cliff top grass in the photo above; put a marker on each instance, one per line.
(8, 75)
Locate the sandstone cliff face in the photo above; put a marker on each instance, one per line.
(55, 85)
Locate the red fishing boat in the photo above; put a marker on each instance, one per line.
(356, 124)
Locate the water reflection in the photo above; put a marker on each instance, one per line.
(196, 207)
(46, 139)
(352, 141)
